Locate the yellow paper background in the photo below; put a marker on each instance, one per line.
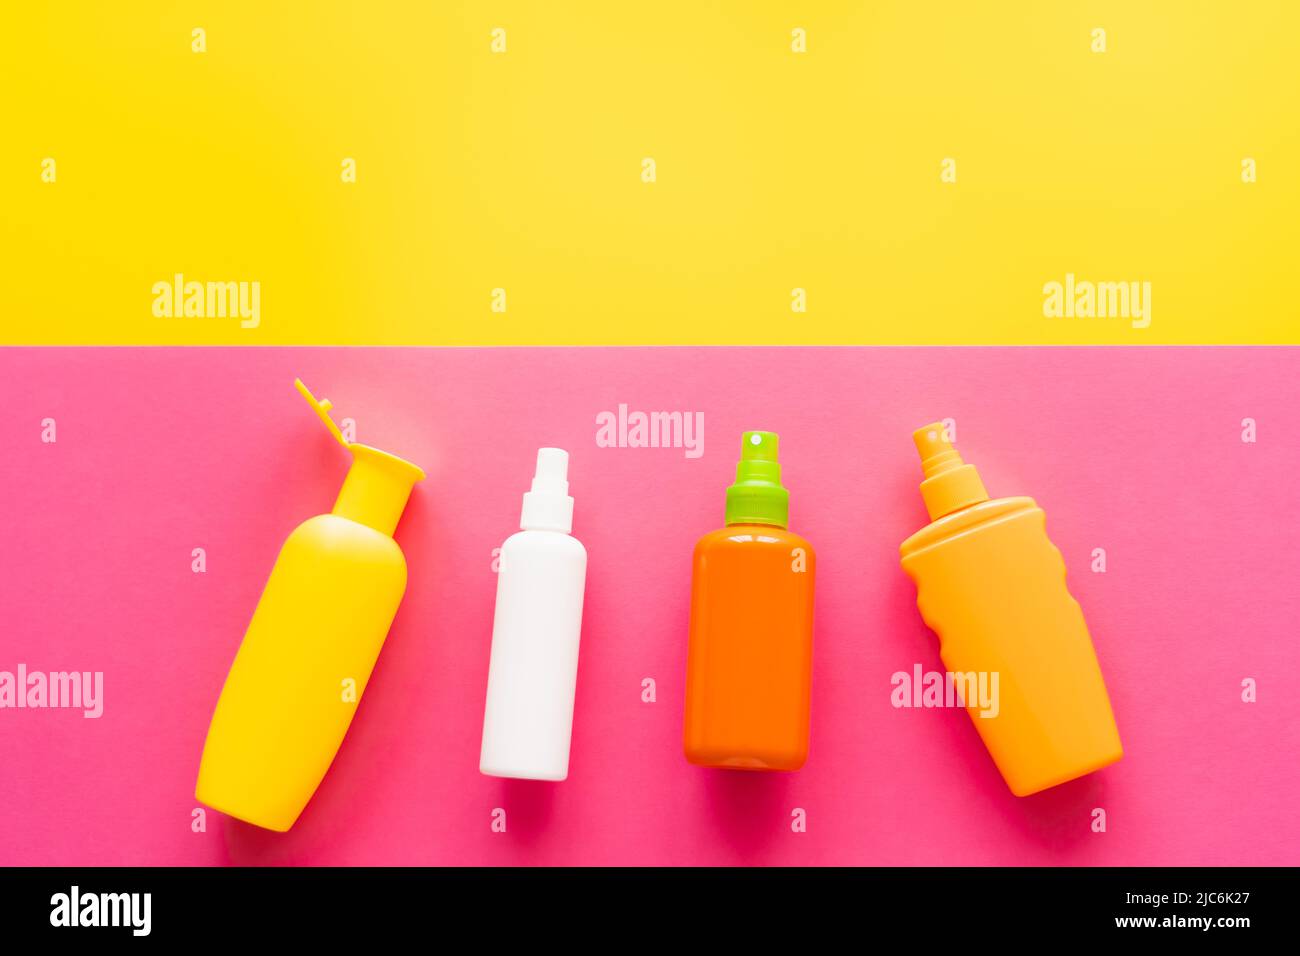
(775, 170)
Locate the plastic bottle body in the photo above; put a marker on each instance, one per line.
(992, 586)
(533, 671)
(301, 670)
(749, 663)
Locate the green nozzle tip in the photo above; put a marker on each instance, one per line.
(759, 446)
(757, 497)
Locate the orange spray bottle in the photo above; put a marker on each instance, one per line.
(749, 664)
(992, 585)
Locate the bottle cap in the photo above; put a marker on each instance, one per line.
(377, 485)
(950, 484)
(547, 506)
(758, 497)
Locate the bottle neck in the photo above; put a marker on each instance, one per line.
(376, 489)
(757, 496)
(756, 523)
(952, 490)
(546, 512)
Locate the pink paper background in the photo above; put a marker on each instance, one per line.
(161, 450)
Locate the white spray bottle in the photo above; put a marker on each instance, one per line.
(533, 673)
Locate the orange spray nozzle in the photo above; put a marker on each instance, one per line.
(936, 451)
(950, 484)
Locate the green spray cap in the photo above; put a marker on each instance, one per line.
(757, 497)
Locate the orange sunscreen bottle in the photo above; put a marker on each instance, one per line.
(749, 666)
(991, 584)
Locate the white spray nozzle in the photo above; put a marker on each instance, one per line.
(552, 475)
(547, 506)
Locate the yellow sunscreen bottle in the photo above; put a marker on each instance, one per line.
(309, 650)
(991, 584)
